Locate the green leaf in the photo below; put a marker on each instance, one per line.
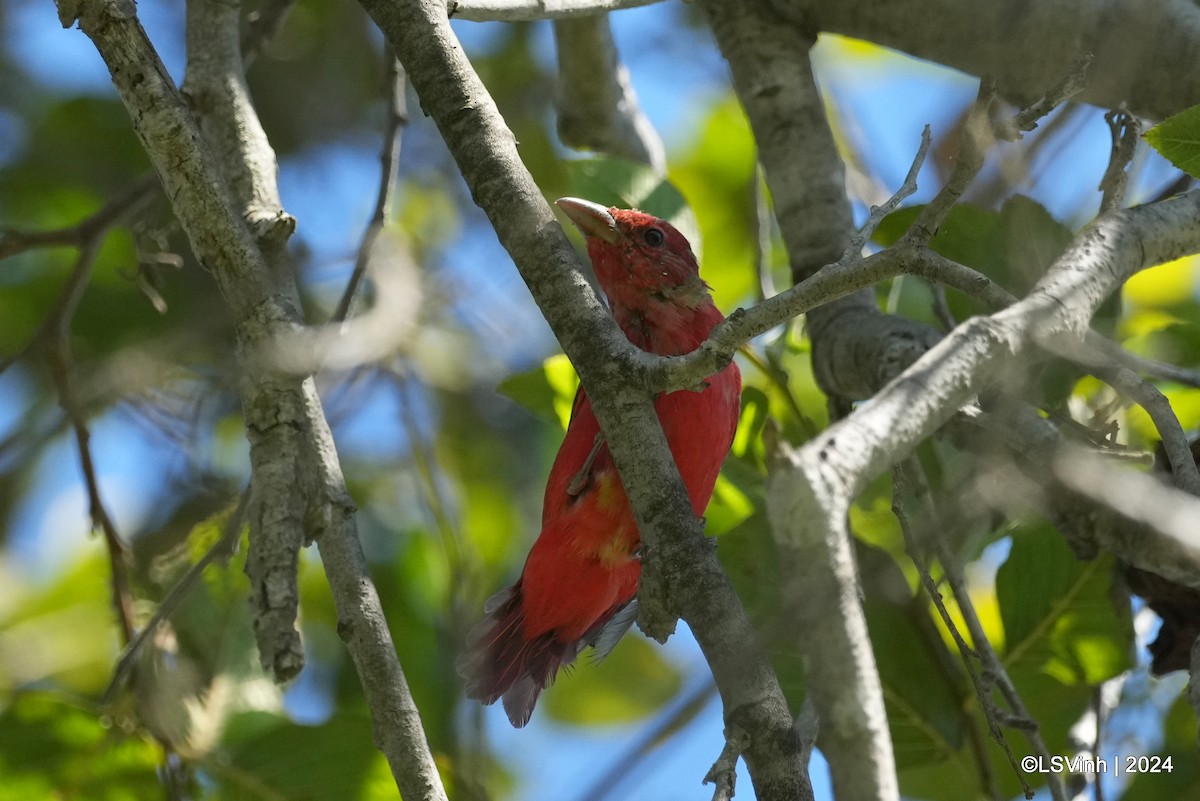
(729, 507)
(53, 748)
(874, 524)
(1185, 403)
(60, 632)
(955, 778)
(631, 684)
(1059, 619)
(1013, 246)
(739, 489)
(547, 390)
(270, 757)
(1177, 343)
(1177, 138)
(716, 175)
(611, 181)
(923, 711)
(756, 407)
(750, 559)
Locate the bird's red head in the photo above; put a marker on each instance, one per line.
(643, 263)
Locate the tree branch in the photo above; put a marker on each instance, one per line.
(681, 574)
(597, 107)
(855, 347)
(900, 489)
(1144, 366)
(61, 366)
(215, 84)
(286, 408)
(852, 452)
(1165, 540)
(125, 204)
(532, 10)
(1025, 48)
(822, 593)
(396, 118)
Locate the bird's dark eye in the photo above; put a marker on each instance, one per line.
(653, 237)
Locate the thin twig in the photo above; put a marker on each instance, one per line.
(1142, 365)
(1126, 132)
(878, 213)
(993, 671)
(87, 235)
(533, 10)
(980, 132)
(941, 307)
(397, 118)
(723, 774)
(640, 749)
(1071, 84)
(1103, 364)
(125, 203)
(1014, 166)
(62, 372)
(222, 548)
(977, 138)
(993, 715)
(934, 642)
(1166, 422)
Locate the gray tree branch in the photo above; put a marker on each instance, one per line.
(531, 10)
(1164, 541)
(841, 460)
(808, 521)
(216, 86)
(1025, 47)
(773, 78)
(856, 348)
(681, 575)
(287, 409)
(597, 107)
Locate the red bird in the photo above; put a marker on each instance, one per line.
(580, 579)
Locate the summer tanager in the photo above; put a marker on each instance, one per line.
(580, 579)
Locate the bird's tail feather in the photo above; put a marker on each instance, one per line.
(499, 662)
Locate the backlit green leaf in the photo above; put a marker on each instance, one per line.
(1059, 617)
(633, 682)
(547, 390)
(1177, 138)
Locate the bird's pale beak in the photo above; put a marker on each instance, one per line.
(590, 218)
